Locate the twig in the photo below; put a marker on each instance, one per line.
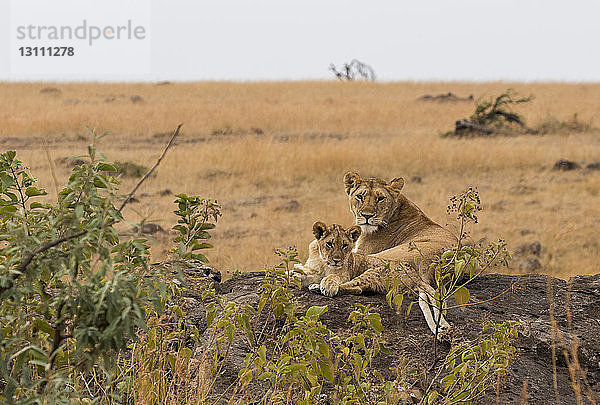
(484, 301)
(49, 245)
(12, 171)
(149, 172)
(51, 164)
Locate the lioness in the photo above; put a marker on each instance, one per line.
(332, 267)
(390, 222)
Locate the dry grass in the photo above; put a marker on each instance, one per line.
(312, 132)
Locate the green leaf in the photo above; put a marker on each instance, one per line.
(409, 307)
(37, 204)
(316, 311)
(388, 297)
(461, 296)
(458, 267)
(105, 167)
(42, 325)
(79, 211)
(375, 322)
(323, 349)
(229, 332)
(326, 370)
(262, 353)
(211, 312)
(398, 299)
(8, 209)
(34, 191)
(267, 375)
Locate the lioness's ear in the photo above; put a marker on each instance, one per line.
(350, 181)
(397, 183)
(319, 229)
(354, 233)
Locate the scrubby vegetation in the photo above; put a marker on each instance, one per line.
(552, 125)
(494, 116)
(84, 316)
(74, 292)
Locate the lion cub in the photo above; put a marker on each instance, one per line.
(330, 260)
(332, 267)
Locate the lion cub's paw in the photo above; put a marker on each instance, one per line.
(299, 270)
(315, 288)
(299, 266)
(329, 287)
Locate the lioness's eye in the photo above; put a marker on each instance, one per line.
(380, 198)
(359, 197)
(345, 246)
(329, 245)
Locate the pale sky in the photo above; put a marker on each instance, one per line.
(464, 40)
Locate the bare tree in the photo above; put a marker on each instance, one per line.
(354, 70)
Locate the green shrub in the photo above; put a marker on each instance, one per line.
(196, 217)
(73, 291)
(498, 112)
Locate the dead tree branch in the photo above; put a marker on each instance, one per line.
(354, 70)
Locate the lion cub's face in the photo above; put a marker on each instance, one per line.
(372, 201)
(335, 243)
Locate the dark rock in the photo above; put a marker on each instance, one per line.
(522, 189)
(50, 90)
(249, 201)
(566, 165)
(196, 274)
(165, 192)
(416, 179)
(529, 248)
(593, 166)
(527, 299)
(448, 97)
(291, 205)
(136, 99)
(148, 228)
(70, 162)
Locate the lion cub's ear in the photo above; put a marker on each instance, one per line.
(397, 183)
(319, 229)
(351, 179)
(354, 232)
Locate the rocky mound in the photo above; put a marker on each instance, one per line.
(529, 299)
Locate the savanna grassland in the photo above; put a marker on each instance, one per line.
(274, 155)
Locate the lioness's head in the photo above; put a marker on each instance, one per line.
(335, 243)
(372, 201)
